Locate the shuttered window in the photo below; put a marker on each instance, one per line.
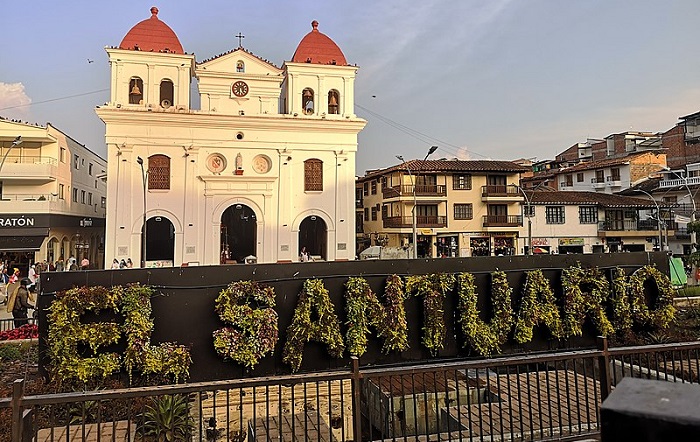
(313, 175)
(159, 172)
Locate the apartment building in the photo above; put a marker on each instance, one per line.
(590, 222)
(52, 196)
(462, 208)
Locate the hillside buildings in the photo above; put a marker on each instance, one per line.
(265, 167)
(52, 197)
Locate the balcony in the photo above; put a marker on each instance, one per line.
(690, 181)
(501, 193)
(502, 220)
(31, 203)
(630, 225)
(421, 190)
(37, 170)
(598, 183)
(406, 222)
(613, 181)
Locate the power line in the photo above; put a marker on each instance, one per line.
(53, 99)
(428, 139)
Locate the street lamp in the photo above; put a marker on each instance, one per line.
(415, 203)
(144, 176)
(529, 219)
(16, 142)
(658, 217)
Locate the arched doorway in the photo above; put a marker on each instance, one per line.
(160, 240)
(238, 234)
(313, 235)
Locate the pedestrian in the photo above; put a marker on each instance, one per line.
(59, 264)
(122, 264)
(21, 304)
(32, 276)
(4, 280)
(129, 263)
(115, 263)
(85, 263)
(15, 276)
(303, 255)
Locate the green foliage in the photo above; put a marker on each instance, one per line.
(578, 305)
(364, 310)
(254, 331)
(10, 352)
(694, 258)
(485, 338)
(325, 329)
(537, 306)
(167, 419)
(622, 318)
(664, 311)
(433, 289)
(694, 227)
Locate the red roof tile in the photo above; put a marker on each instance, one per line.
(433, 166)
(152, 35)
(590, 198)
(316, 47)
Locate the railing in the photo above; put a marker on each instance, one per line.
(421, 221)
(23, 159)
(28, 197)
(421, 190)
(502, 220)
(500, 191)
(691, 181)
(525, 397)
(628, 225)
(9, 324)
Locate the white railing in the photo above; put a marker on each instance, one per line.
(692, 181)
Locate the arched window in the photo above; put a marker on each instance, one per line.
(313, 175)
(136, 91)
(240, 66)
(333, 102)
(307, 101)
(158, 172)
(166, 93)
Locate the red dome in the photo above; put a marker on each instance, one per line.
(316, 47)
(152, 35)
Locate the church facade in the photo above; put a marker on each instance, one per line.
(265, 166)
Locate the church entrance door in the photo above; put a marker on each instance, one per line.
(313, 235)
(238, 234)
(160, 241)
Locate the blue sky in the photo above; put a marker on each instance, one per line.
(500, 79)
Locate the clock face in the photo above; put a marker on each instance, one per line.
(262, 164)
(216, 163)
(239, 89)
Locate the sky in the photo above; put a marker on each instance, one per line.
(490, 79)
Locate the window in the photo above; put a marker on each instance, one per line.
(464, 211)
(333, 102)
(61, 188)
(385, 211)
(587, 215)
(89, 198)
(462, 182)
(136, 91)
(599, 176)
(374, 213)
(313, 175)
(365, 188)
(554, 214)
(579, 177)
(167, 94)
(615, 172)
(90, 169)
(374, 187)
(63, 155)
(82, 197)
(75, 195)
(159, 172)
(76, 161)
(103, 202)
(529, 211)
(384, 181)
(307, 101)
(670, 199)
(366, 213)
(569, 180)
(240, 66)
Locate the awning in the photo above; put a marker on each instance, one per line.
(678, 276)
(21, 243)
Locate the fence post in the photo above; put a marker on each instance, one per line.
(604, 368)
(356, 412)
(17, 394)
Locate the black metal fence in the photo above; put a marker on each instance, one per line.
(9, 323)
(523, 398)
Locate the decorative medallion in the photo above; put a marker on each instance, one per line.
(262, 164)
(216, 163)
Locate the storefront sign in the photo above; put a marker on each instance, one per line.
(21, 221)
(571, 241)
(426, 231)
(540, 242)
(86, 222)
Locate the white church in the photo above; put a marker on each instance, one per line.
(265, 167)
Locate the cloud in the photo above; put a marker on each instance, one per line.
(14, 102)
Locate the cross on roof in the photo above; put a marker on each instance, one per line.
(240, 38)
